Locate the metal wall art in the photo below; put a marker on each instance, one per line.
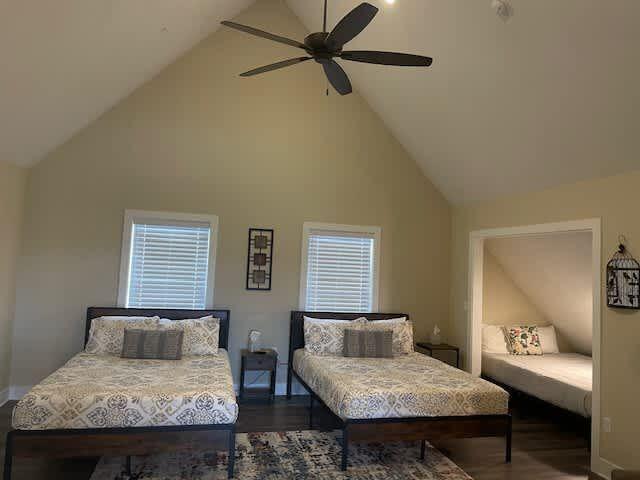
(260, 258)
(623, 279)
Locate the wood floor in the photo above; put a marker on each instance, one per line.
(547, 444)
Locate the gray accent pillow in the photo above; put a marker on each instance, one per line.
(368, 343)
(152, 344)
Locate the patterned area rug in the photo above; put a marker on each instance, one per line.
(291, 455)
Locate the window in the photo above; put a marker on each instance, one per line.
(168, 260)
(339, 268)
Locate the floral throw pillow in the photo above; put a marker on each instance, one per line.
(524, 341)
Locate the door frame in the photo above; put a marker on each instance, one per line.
(474, 307)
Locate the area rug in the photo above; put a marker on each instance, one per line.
(290, 455)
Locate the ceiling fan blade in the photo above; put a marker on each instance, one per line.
(387, 58)
(275, 66)
(263, 34)
(337, 77)
(351, 25)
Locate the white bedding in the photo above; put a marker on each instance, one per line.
(563, 379)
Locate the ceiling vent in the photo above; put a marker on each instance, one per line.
(503, 9)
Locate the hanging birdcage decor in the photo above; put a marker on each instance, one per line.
(623, 279)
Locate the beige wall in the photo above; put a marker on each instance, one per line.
(12, 188)
(503, 303)
(614, 200)
(269, 151)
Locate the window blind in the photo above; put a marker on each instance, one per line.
(169, 266)
(340, 272)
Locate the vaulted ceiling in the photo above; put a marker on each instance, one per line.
(549, 97)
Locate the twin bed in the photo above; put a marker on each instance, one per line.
(104, 405)
(99, 405)
(562, 379)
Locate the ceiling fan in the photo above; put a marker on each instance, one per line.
(324, 47)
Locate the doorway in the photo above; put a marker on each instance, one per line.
(477, 242)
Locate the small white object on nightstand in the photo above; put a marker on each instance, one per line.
(436, 339)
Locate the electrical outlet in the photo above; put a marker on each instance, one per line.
(606, 424)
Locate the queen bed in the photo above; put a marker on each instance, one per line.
(101, 404)
(407, 397)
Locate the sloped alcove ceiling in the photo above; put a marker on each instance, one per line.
(550, 97)
(554, 272)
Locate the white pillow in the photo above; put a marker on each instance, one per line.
(548, 339)
(389, 321)
(107, 333)
(333, 320)
(201, 335)
(493, 339)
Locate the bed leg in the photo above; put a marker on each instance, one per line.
(345, 449)
(310, 411)
(8, 457)
(423, 449)
(289, 379)
(508, 440)
(232, 452)
(127, 465)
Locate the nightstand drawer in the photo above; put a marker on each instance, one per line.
(259, 362)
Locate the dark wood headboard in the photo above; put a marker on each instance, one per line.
(223, 315)
(296, 332)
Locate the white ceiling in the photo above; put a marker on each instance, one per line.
(550, 97)
(554, 272)
(65, 62)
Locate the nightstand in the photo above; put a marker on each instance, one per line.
(265, 360)
(442, 347)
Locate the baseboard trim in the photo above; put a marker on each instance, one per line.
(601, 469)
(4, 396)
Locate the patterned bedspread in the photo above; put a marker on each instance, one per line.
(106, 391)
(412, 385)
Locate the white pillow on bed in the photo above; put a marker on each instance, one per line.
(107, 333)
(493, 339)
(548, 339)
(201, 335)
(388, 321)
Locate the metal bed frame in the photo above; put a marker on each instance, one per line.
(96, 442)
(393, 429)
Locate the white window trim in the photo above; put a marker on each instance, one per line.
(133, 216)
(308, 227)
